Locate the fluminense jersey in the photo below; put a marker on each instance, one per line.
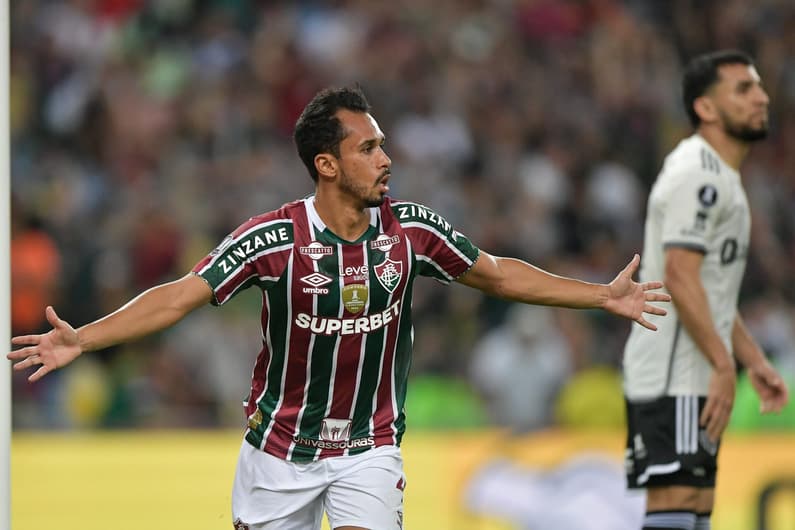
(336, 321)
(697, 202)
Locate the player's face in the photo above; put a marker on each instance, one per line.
(364, 166)
(741, 102)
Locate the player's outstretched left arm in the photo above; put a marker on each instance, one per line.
(516, 280)
(153, 310)
(49, 351)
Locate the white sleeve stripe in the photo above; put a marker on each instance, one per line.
(234, 272)
(441, 236)
(231, 293)
(231, 276)
(426, 259)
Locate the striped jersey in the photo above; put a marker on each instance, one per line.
(697, 202)
(336, 321)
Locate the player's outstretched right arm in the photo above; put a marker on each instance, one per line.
(151, 311)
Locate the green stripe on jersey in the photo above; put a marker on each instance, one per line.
(276, 332)
(322, 357)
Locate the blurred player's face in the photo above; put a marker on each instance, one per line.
(363, 164)
(741, 102)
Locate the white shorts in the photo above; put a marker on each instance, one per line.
(363, 490)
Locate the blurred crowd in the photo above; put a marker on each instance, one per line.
(143, 131)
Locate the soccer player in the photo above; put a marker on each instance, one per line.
(336, 269)
(680, 383)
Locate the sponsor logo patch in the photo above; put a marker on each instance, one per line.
(334, 430)
(255, 420)
(316, 281)
(384, 243)
(357, 273)
(348, 326)
(316, 250)
(708, 195)
(354, 297)
(343, 444)
(240, 525)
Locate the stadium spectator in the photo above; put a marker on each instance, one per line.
(114, 103)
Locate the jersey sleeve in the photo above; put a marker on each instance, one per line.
(256, 253)
(442, 252)
(693, 198)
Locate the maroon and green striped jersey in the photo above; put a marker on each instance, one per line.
(336, 321)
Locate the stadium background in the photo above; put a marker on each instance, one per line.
(144, 131)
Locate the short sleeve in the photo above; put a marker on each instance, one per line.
(693, 200)
(255, 253)
(442, 252)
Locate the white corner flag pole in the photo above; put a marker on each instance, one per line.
(5, 273)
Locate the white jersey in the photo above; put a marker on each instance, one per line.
(697, 202)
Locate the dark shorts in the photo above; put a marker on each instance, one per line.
(666, 446)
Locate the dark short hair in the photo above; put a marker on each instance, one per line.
(702, 72)
(318, 130)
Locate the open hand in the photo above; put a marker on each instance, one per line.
(629, 299)
(769, 386)
(54, 349)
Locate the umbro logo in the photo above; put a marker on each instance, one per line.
(316, 279)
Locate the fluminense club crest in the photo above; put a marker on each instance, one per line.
(389, 273)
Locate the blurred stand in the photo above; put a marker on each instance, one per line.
(143, 132)
(520, 366)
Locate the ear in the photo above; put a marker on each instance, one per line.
(705, 108)
(326, 165)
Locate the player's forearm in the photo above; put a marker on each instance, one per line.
(532, 285)
(153, 310)
(690, 300)
(745, 347)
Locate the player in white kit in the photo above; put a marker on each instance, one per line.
(679, 383)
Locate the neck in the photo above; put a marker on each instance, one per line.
(345, 219)
(731, 150)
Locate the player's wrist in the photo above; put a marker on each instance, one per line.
(602, 296)
(82, 340)
(723, 366)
